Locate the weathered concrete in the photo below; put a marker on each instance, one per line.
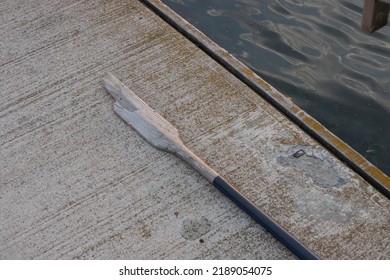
(77, 182)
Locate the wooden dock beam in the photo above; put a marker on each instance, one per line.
(375, 14)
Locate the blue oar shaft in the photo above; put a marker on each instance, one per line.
(263, 219)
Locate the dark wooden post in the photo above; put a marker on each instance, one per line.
(375, 15)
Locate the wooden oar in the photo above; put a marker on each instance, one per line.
(164, 136)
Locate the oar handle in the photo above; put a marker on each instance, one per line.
(276, 230)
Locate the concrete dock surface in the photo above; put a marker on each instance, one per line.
(76, 182)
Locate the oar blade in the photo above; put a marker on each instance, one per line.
(146, 121)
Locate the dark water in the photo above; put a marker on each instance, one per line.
(315, 52)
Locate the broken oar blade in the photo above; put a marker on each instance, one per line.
(164, 136)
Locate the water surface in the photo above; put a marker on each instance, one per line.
(314, 52)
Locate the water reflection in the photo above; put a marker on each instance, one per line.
(314, 52)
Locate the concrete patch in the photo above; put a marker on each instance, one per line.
(315, 164)
(194, 228)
